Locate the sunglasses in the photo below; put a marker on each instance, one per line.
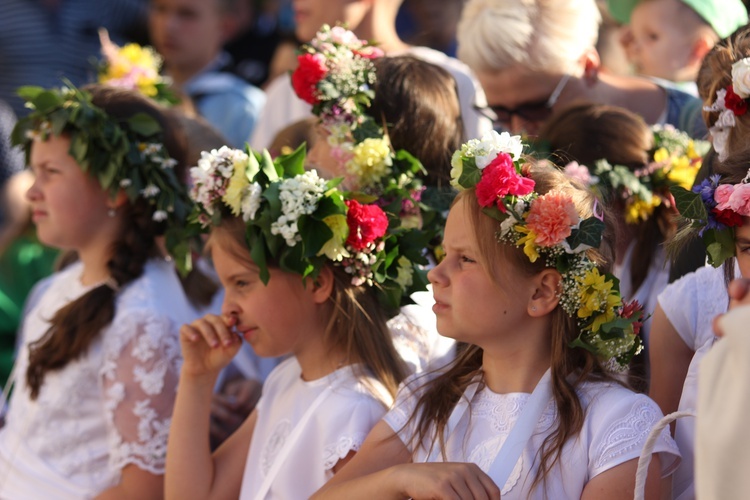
(532, 112)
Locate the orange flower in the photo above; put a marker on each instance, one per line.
(551, 217)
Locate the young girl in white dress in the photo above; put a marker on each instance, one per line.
(682, 322)
(96, 374)
(306, 273)
(523, 283)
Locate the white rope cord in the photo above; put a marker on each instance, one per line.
(648, 448)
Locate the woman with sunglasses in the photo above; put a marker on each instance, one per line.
(545, 58)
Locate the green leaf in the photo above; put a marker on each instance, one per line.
(689, 204)
(314, 234)
(495, 213)
(143, 124)
(253, 167)
(257, 245)
(470, 175)
(267, 166)
(293, 163)
(29, 92)
(78, 147)
(589, 233)
(719, 245)
(44, 102)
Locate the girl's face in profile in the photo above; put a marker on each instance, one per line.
(69, 207)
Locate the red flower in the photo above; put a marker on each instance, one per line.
(366, 223)
(310, 70)
(633, 308)
(734, 102)
(499, 179)
(728, 217)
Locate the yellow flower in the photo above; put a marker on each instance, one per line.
(405, 276)
(457, 168)
(371, 160)
(639, 210)
(528, 242)
(661, 155)
(613, 300)
(683, 171)
(237, 184)
(594, 291)
(691, 152)
(334, 248)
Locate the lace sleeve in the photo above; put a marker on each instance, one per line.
(140, 377)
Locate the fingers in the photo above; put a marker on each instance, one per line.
(716, 324)
(738, 289)
(214, 330)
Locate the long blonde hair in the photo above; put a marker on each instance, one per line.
(357, 323)
(570, 367)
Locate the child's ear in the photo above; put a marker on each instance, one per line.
(700, 48)
(118, 200)
(322, 286)
(546, 296)
(591, 63)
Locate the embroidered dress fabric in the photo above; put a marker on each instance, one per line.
(338, 426)
(110, 408)
(616, 427)
(691, 303)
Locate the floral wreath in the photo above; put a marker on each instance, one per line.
(300, 222)
(134, 67)
(549, 227)
(126, 155)
(730, 102)
(675, 161)
(335, 74)
(714, 210)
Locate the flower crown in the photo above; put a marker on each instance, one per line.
(134, 67)
(300, 222)
(126, 155)
(730, 102)
(712, 210)
(675, 161)
(549, 226)
(336, 75)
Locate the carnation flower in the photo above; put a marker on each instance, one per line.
(551, 217)
(500, 179)
(366, 223)
(722, 193)
(579, 172)
(739, 200)
(734, 102)
(371, 161)
(727, 217)
(310, 71)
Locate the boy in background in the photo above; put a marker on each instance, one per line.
(189, 35)
(667, 39)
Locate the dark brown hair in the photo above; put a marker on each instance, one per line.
(588, 132)
(77, 324)
(570, 366)
(357, 323)
(417, 103)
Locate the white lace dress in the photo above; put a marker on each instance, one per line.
(338, 426)
(690, 304)
(615, 428)
(110, 408)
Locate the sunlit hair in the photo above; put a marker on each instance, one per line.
(570, 367)
(357, 321)
(716, 74)
(540, 35)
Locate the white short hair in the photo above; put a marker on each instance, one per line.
(537, 34)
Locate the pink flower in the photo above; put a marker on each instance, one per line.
(309, 72)
(580, 172)
(369, 52)
(722, 194)
(551, 217)
(739, 201)
(500, 179)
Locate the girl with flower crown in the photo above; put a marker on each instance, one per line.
(96, 374)
(631, 166)
(307, 272)
(524, 283)
(714, 210)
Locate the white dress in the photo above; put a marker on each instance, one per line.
(690, 304)
(110, 408)
(336, 427)
(615, 428)
(283, 107)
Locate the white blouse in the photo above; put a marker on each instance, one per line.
(615, 428)
(108, 409)
(337, 426)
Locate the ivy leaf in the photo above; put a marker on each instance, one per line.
(689, 204)
(143, 124)
(589, 233)
(470, 175)
(719, 245)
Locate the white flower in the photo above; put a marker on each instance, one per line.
(493, 144)
(125, 183)
(251, 201)
(741, 77)
(720, 103)
(299, 196)
(169, 163)
(159, 215)
(150, 191)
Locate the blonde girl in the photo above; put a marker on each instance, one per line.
(306, 273)
(524, 283)
(97, 370)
